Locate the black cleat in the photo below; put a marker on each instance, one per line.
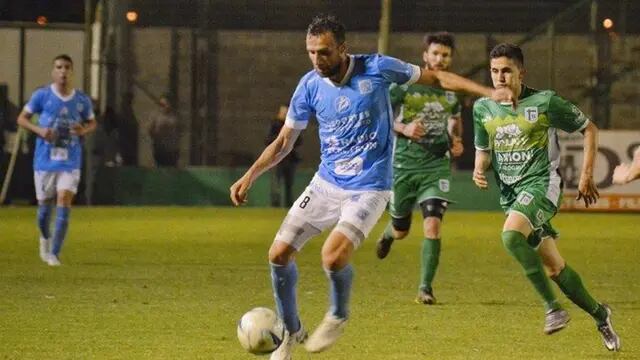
(609, 337)
(555, 321)
(383, 246)
(425, 297)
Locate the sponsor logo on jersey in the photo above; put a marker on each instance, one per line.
(514, 157)
(525, 198)
(450, 96)
(342, 104)
(349, 167)
(531, 114)
(365, 86)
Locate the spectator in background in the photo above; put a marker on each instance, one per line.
(628, 172)
(286, 169)
(163, 130)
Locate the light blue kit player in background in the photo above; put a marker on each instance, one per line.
(349, 97)
(65, 116)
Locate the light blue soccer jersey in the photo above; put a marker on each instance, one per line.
(354, 120)
(60, 114)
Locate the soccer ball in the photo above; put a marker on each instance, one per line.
(260, 331)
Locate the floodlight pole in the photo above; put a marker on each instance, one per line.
(385, 20)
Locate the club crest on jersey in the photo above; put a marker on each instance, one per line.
(443, 184)
(450, 96)
(365, 86)
(531, 114)
(342, 104)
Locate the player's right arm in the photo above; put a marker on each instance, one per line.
(457, 83)
(483, 147)
(34, 106)
(272, 155)
(413, 130)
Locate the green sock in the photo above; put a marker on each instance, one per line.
(516, 244)
(388, 232)
(571, 285)
(430, 260)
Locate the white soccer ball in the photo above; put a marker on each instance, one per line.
(260, 331)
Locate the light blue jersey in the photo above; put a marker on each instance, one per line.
(355, 120)
(59, 113)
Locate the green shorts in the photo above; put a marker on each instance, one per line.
(411, 187)
(533, 204)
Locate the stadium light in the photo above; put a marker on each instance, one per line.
(132, 16)
(607, 24)
(41, 20)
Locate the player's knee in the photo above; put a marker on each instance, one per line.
(401, 226)
(433, 208)
(554, 270)
(280, 253)
(334, 259)
(512, 240)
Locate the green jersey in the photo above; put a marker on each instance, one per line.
(433, 107)
(524, 142)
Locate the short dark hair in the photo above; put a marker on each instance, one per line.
(324, 23)
(64, 57)
(442, 38)
(510, 51)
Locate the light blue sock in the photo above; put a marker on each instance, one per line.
(44, 217)
(340, 281)
(283, 281)
(62, 222)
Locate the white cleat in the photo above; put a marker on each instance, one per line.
(326, 334)
(53, 260)
(45, 248)
(285, 350)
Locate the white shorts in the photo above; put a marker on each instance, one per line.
(48, 183)
(323, 204)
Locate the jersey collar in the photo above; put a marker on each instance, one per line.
(347, 75)
(63, 98)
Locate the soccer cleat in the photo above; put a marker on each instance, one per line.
(425, 297)
(383, 246)
(45, 248)
(285, 350)
(555, 320)
(609, 337)
(53, 260)
(326, 334)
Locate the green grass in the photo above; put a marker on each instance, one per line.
(171, 283)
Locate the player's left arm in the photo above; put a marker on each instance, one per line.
(455, 134)
(587, 189)
(89, 123)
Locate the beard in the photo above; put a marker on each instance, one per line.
(329, 72)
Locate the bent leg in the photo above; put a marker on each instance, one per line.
(569, 281)
(514, 238)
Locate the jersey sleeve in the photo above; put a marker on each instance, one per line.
(34, 105)
(299, 109)
(87, 110)
(481, 137)
(566, 116)
(397, 71)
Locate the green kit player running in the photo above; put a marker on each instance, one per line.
(428, 130)
(523, 146)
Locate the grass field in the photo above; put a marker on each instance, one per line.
(171, 283)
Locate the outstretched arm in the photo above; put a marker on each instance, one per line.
(453, 82)
(272, 155)
(481, 164)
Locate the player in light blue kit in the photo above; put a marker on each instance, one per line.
(349, 97)
(66, 115)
